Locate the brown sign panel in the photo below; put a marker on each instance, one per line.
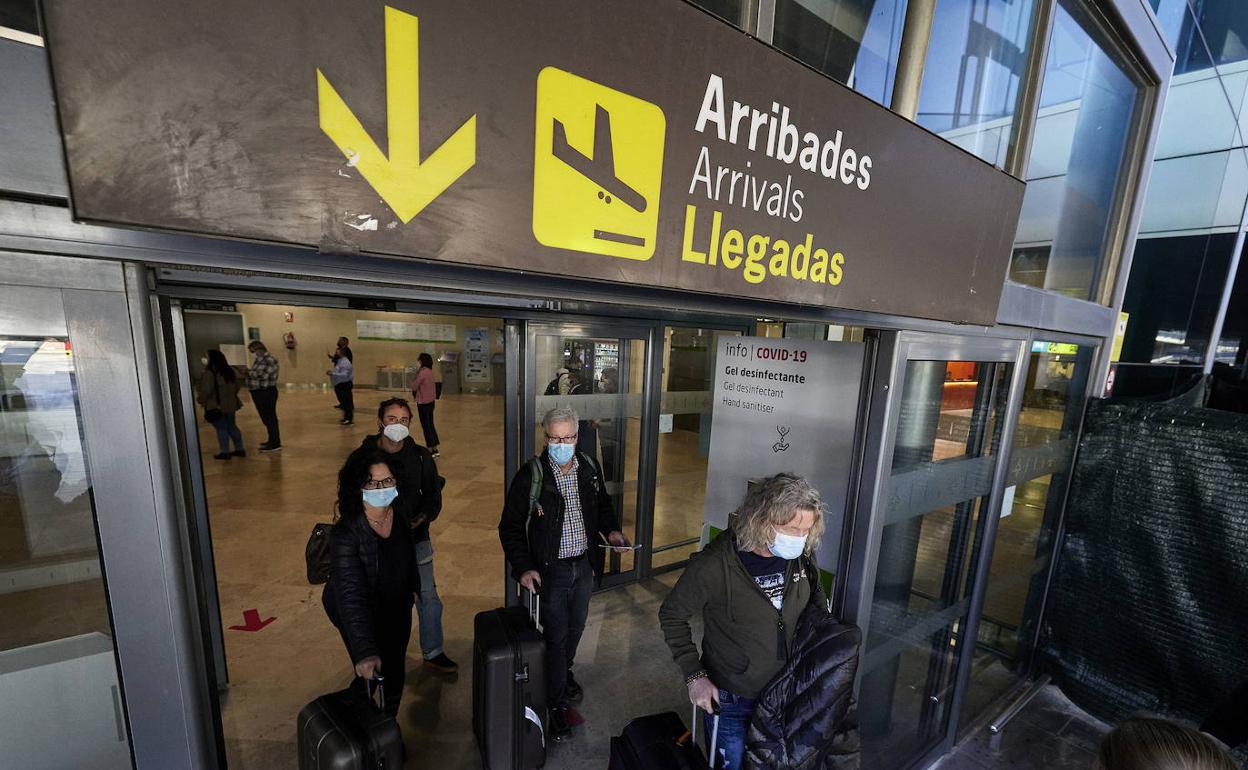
(638, 141)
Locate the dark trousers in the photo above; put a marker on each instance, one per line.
(425, 411)
(566, 588)
(394, 631)
(346, 398)
(265, 400)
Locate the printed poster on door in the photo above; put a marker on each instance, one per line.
(783, 405)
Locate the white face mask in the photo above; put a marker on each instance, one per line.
(396, 432)
(204, 361)
(788, 546)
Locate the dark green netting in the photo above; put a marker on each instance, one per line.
(1149, 605)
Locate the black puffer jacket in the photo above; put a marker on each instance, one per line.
(350, 597)
(806, 717)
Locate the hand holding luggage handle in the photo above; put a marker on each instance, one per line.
(693, 731)
(533, 603)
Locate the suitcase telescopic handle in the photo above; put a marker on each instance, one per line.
(534, 604)
(377, 695)
(693, 731)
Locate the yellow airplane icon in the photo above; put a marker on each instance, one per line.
(597, 168)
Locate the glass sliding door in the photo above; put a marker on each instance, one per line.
(939, 465)
(1022, 550)
(601, 372)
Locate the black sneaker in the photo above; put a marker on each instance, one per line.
(270, 447)
(559, 727)
(221, 456)
(345, 422)
(573, 690)
(442, 663)
(239, 453)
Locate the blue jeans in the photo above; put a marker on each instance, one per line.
(734, 723)
(428, 605)
(227, 429)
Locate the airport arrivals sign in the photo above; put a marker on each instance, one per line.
(783, 405)
(633, 141)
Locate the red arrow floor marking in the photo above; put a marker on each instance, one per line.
(252, 621)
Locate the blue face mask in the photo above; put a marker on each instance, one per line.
(787, 546)
(561, 453)
(380, 498)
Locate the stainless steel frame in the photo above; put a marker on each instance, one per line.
(887, 387)
(103, 306)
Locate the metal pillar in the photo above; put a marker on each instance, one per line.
(913, 56)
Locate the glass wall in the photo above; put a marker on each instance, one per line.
(1044, 447)
(854, 42)
(977, 59)
(684, 441)
(57, 665)
(1087, 105)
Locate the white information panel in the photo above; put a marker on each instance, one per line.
(405, 332)
(783, 405)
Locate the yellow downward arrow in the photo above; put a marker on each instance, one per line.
(402, 180)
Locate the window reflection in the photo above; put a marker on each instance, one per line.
(57, 664)
(976, 60)
(852, 41)
(728, 10)
(1087, 104)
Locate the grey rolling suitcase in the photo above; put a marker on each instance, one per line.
(509, 689)
(347, 731)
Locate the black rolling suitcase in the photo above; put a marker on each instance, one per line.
(661, 742)
(346, 730)
(509, 689)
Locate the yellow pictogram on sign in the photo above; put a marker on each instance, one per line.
(597, 167)
(402, 179)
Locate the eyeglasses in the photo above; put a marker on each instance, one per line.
(561, 439)
(385, 483)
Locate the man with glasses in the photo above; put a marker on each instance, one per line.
(556, 516)
(419, 482)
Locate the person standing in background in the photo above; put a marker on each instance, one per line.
(217, 392)
(262, 382)
(342, 377)
(343, 349)
(425, 394)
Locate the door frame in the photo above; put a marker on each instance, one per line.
(103, 308)
(647, 331)
(895, 350)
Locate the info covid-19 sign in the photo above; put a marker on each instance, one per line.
(783, 405)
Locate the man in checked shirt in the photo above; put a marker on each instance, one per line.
(262, 382)
(555, 549)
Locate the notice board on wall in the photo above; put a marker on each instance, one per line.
(783, 405)
(400, 331)
(558, 137)
(477, 355)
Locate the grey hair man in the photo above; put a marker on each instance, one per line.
(262, 382)
(556, 516)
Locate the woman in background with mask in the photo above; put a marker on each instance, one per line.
(374, 580)
(750, 586)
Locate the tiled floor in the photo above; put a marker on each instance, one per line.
(1051, 733)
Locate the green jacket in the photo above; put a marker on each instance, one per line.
(741, 639)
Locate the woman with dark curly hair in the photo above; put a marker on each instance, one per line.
(374, 581)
